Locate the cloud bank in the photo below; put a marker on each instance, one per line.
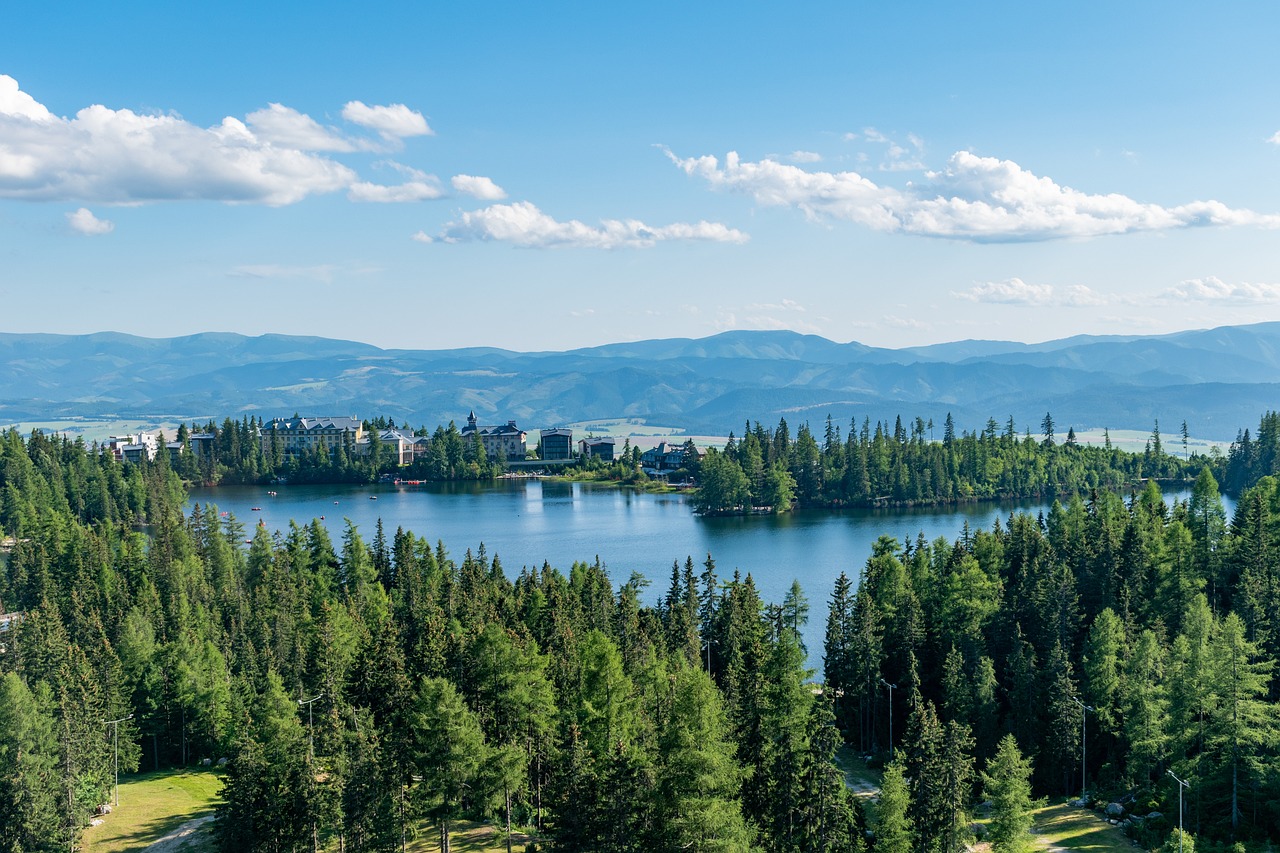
(111, 156)
(523, 224)
(978, 199)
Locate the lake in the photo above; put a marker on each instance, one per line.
(526, 522)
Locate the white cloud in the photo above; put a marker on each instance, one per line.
(285, 126)
(318, 272)
(86, 223)
(1274, 139)
(118, 156)
(15, 102)
(981, 199)
(804, 157)
(394, 121)
(769, 315)
(424, 190)
(1214, 289)
(523, 224)
(1015, 291)
(478, 187)
(423, 237)
(895, 322)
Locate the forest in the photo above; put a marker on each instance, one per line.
(603, 716)
(768, 469)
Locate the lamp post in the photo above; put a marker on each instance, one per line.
(311, 732)
(1084, 733)
(1181, 785)
(311, 757)
(115, 746)
(890, 686)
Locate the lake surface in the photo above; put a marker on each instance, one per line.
(526, 522)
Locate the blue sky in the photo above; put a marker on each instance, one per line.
(545, 176)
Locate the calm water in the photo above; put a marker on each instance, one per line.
(525, 522)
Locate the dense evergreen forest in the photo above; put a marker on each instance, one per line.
(564, 701)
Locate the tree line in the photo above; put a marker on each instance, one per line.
(902, 464)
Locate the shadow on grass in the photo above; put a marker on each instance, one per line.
(1072, 828)
(153, 805)
(147, 833)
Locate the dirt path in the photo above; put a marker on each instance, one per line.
(177, 840)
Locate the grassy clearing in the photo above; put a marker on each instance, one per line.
(860, 778)
(1067, 827)
(151, 806)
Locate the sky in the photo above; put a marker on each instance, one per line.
(555, 175)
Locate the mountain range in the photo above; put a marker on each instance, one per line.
(1218, 380)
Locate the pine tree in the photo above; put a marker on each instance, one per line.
(29, 781)
(1007, 784)
(448, 751)
(894, 829)
(698, 779)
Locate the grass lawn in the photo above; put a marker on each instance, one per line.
(466, 837)
(151, 806)
(1072, 828)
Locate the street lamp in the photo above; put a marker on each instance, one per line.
(311, 757)
(1181, 785)
(311, 732)
(890, 686)
(115, 745)
(1084, 733)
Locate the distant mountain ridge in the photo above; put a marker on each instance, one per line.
(1219, 380)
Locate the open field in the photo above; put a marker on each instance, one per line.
(91, 429)
(153, 805)
(1135, 441)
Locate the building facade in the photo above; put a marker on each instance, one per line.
(298, 435)
(557, 445)
(597, 448)
(507, 441)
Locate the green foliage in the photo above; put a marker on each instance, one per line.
(606, 720)
(29, 781)
(1007, 784)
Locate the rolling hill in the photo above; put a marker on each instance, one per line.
(1218, 380)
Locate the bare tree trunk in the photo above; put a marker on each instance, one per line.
(507, 790)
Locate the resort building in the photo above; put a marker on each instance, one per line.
(597, 448)
(557, 445)
(500, 442)
(298, 435)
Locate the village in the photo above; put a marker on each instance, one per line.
(296, 436)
